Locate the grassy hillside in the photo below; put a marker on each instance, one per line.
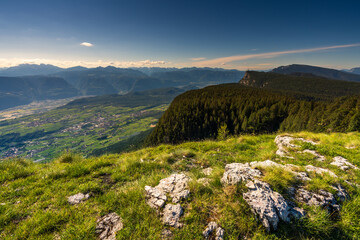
(33, 197)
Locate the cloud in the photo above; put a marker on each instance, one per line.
(224, 60)
(197, 59)
(86, 44)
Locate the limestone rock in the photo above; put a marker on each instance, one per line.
(155, 197)
(108, 225)
(322, 198)
(318, 156)
(284, 142)
(343, 163)
(213, 227)
(341, 192)
(269, 205)
(77, 198)
(238, 172)
(175, 185)
(207, 171)
(320, 171)
(172, 214)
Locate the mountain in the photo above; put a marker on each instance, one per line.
(200, 77)
(261, 103)
(29, 69)
(355, 70)
(318, 71)
(301, 85)
(228, 187)
(16, 91)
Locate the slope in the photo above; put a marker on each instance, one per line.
(34, 197)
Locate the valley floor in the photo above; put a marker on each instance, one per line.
(34, 198)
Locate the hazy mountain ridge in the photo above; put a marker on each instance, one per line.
(16, 91)
(318, 71)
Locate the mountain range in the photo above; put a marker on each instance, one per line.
(318, 71)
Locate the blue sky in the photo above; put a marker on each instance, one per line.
(229, 34)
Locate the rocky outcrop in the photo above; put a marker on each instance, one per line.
(320, 171)
(155, 197)
(322, 198)
(211, 228)
(172, 214)
(78, 198)
(284, 142)
(343, 163)
(318, 156)
(238, 172)
(176, 186)
(108, 225)
(270, 206)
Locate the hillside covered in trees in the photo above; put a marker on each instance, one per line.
(261, 103)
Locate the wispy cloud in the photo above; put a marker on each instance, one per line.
(224, 60)
(86, 44)
(197, 59)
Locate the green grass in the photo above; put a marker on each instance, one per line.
(33, 197)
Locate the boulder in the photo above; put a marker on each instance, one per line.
(343, 163)
(108, 225)
(155, 197)
(322, 198)
(77, 198)
(176, 186)
(270, 206)
(238, 172)
(172, 214)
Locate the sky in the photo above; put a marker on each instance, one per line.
(255, 35)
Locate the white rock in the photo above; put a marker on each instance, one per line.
(77, 198)
(213, 227)
(204, 181)
(343, 163)
(172, 214)
(175, 185)
(284, 142)
(269, 205)
(207, 171)
(155, 197)
(108, 225)
(238, 172)
(320, 171)
(318, 156)
(322, 199)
